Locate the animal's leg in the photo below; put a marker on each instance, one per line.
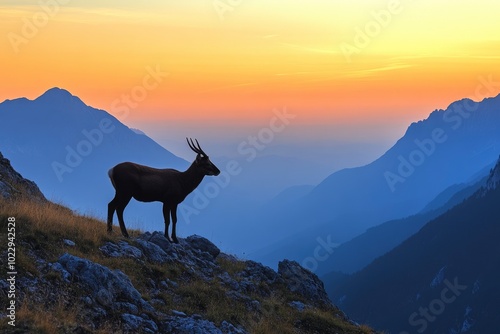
(111, 212)
(174, 224)
(122, 202)
(166, 216)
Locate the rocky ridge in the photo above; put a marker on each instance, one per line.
(12, 184)
(111, 290)
(106, 293)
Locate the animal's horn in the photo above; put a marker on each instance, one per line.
(192, 146)
(199, 148)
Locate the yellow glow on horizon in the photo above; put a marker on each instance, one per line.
(262, 55)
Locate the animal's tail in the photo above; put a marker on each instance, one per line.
(110, 174)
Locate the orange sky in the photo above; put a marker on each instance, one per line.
(239, 64)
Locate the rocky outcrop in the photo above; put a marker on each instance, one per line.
(140, 303)
(195, 324)
(13, 185)
(110, 289)
(302, 281)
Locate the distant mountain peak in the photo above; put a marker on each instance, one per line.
(58, 95)
(56, 92)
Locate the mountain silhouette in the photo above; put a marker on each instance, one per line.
(443, 279)
(357, 253)
(446, 149)
(68, 147)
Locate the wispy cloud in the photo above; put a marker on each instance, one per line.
(372, 71)
(312, 49)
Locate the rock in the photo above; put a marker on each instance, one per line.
(258, 272)
(122, 249)
(189, 325)
(228, 281)
(13, 185)
(299, 306)
(203, 244)
(87, 300)
(228, 328)
(4, 285)
(179, 314)
(196, 325)
(160, 240)
(127, 307)
(303, 282)
(257, 278)
(135, 324)
(107, 287)
(167, 283)
(57, 267)
(153, 252)
(69, 243)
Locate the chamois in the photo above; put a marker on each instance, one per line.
(147, 184)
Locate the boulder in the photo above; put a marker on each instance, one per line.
(203, 244)
(153, 252)
(108, 287)
(303, 282)
(122, 249)
(135, 324)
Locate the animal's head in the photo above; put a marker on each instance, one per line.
(202, 159)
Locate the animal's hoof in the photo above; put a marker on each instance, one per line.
(125, 235)
(175, 240)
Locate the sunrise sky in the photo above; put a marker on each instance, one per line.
(231, 62)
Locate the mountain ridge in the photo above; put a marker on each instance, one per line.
(460, 247)
(402, 181)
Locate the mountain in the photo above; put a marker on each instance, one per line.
(71, 277)
(443, 279)
(357, 253)
(447, 148)
(68, 147)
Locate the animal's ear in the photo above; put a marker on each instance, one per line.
(198, 158)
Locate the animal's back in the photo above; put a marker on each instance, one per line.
(125, 173)
(144, 183)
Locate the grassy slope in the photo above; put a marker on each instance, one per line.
(54, 307)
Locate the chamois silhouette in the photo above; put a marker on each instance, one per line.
(147, 184)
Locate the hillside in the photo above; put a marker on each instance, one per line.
(443, 279)
(72, 277)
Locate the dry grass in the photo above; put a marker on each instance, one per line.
(230, 266)
(61, 317)
(47, 320)
(45, 225)
(209, 299)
